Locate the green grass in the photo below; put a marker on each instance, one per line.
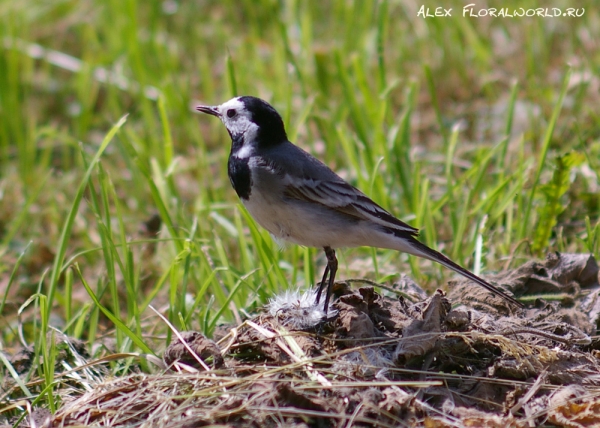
(476, 130)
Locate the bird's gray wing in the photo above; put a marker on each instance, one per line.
(305, 178)
(344, 198)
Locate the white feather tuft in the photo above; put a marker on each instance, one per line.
(298, 310)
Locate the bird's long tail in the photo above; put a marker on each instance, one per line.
(423, 250)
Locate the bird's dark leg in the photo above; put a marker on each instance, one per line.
(332, 265)
(322, 284)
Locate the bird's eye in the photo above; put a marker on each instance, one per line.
(230, 112)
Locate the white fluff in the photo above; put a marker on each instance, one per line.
(298, 310)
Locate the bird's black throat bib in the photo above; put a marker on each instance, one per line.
(239, 175)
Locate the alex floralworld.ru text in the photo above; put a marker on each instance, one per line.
(470, 11)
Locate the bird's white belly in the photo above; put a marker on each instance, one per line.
(305, 224)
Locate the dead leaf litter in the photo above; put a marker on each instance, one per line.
(384, 359)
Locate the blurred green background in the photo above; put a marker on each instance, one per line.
(482, 131)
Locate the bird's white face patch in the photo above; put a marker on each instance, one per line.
(238, 121)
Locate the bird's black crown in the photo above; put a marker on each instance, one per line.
(270, 124)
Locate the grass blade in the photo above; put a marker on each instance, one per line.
(525, 221)
(61, 251)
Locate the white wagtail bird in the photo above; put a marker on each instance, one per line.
(299, 199)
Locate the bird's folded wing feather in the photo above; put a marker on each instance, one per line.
(344, 198)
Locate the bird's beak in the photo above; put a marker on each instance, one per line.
(209, 110)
